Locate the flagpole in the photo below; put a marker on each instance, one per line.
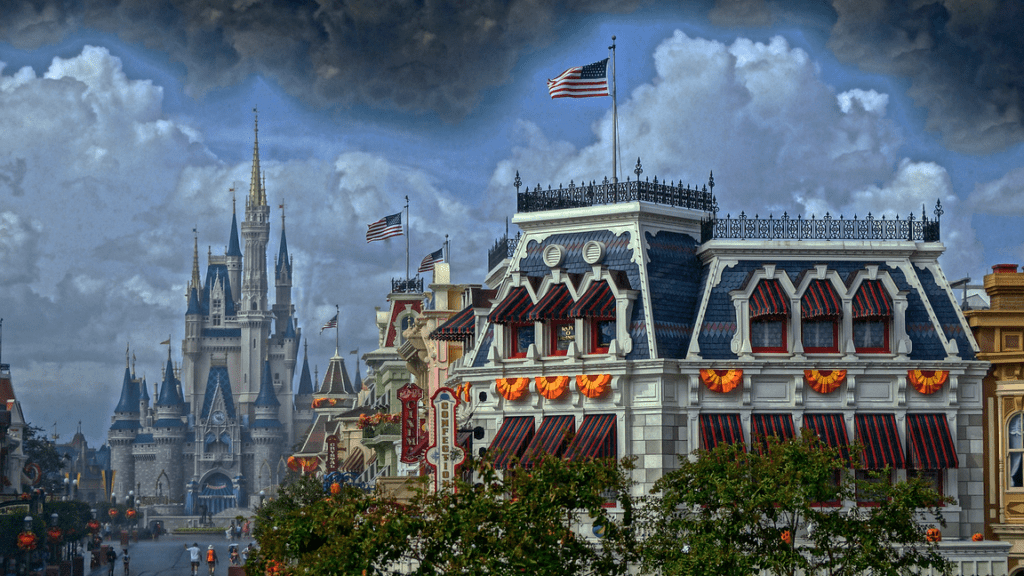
(337, 330)
(615, 120)
(406, 237)
(448, 256)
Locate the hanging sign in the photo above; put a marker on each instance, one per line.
(445, 455)
(331, 462)
(409, 395)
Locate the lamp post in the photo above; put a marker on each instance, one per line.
(54, 519)
(28, 553)
(67, 488)
(263, 495)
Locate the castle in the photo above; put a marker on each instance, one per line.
(215, 434)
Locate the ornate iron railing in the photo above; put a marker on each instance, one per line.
(504, 247)
(921, 229)
(606, 192)
(406, 285)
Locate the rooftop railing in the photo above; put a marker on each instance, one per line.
(504, 247)
(406, 285)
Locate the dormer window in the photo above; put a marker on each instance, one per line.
(769, 317)
(563, 332)
(521, 336)
(820, 311)
(215, 320)
(513, 312)
(215, 303)
(872, 318)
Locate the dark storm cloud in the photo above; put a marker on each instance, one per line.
(965, 60)
(417, 56)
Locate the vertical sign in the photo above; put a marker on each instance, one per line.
(331, 463)
(445, 455)
(409, 395)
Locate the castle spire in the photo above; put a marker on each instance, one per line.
(257, 194)
(234, 249)
(195, 260)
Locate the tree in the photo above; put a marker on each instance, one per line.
(43, 452)
(730, 512)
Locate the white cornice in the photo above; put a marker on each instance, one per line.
(853, 250)
(621, 214)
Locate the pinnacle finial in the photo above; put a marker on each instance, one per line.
(256, 197)
(195, 259)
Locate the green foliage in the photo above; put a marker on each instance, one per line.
(729, 512)
(43, 452)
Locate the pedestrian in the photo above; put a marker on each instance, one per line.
(245, 529)
(111, 558)
(193, 553)
(211, 558)
(126, 559)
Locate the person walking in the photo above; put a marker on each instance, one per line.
(211, 559)
(193, 557)
(111, 558)
(127, 560)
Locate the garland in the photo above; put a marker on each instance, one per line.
(721, 381)
(927, 381)
(512, 388)
(377, 419)
(303, 463)
(552, 387)
(825, 381)
(594, 385)
(325, 402)
(26, 541)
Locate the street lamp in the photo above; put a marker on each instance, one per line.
(74, 489)
(28, 553)
(54, 519)
(263, 495)
(67, 488)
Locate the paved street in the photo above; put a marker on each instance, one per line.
(167, 556)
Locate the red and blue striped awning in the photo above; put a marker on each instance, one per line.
(768, 299)
(513, 435)
(554, 304)
(871, 301)
(881, 440)
(931, 444)
(550, 437)
(514, 308)
(718, 429)
(778, 425)
(596, 438)
(831, 429)
(598, 303)
(820, 301)
(459, 327)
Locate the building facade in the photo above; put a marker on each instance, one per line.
(220, 426)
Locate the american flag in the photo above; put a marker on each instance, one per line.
(332, 323)
(429, 260)
(386, 227)
(581, 81)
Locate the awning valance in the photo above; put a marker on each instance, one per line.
(768, 299)
(459, 327)
(871, 301)
(820, 301)
(831, 429)
(550, 437)
(512, 437)
(931, 444)
(595, 439)
(718, 429)
(881, 440)
(597, 302)
(514, 308)
(354, 463)
(554, 304)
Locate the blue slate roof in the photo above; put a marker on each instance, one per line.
(129, 402)
(618, 256)
(169, 388)
(144, 439)
(193, 302)
(289, 329)
(283, 262)
(223, 332)
(947, 314)
(169, 423)
(125, 425)
(674, 272)
(233, 247)
(266, 396)
(218, 380)
(485, 347)
(144, 391)
(215, 273)
(305, 381)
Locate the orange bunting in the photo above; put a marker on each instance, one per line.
(825, 381)
(512, 388)
(722, 381)
(593, 385)
(927, 381)
(462, 391)
(325, 402)
(309, 463)
(552, 387)
(293, 464)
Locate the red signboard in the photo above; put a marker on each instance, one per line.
(412, 446)
(331, 463)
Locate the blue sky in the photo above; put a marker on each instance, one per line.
(124, 130)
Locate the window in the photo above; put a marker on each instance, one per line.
(872, 315)
(869, 486)
(820, 335)
(820, 310)
(769, 316)
(215, 303)
(1015, 451)
(602, 332)
(521, 336)
(933, 478)
(563, 332)
(216, 319)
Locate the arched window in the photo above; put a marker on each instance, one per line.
(820, 309)
(872, 318)
(1015, 451)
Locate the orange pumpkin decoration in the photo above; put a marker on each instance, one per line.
(787, 536)
(26, 541)
(721, 381)
(112, 512)
(978, 537)
(933, 535)
(512, 388)
(927, 381)
(552, 387)
(825, 381)
(335, 488)
(593, 386)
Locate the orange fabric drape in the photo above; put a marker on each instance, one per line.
(927, 381)
(825, 381)
(552, 387)
(512, 388)
(722, 381)
(593, 385)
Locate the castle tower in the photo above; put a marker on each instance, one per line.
(285, 342)
(304, 397)
(253, 313)
(191, 345)
(283, 309)
(123, 429)
(144, 415)
(266, 433)
(169, 431)
(233, 257)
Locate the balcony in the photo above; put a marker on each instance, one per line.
(384, 433)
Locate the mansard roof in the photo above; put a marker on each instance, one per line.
(218, 273)
(218, 381)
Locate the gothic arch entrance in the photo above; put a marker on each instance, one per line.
(217, 493)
